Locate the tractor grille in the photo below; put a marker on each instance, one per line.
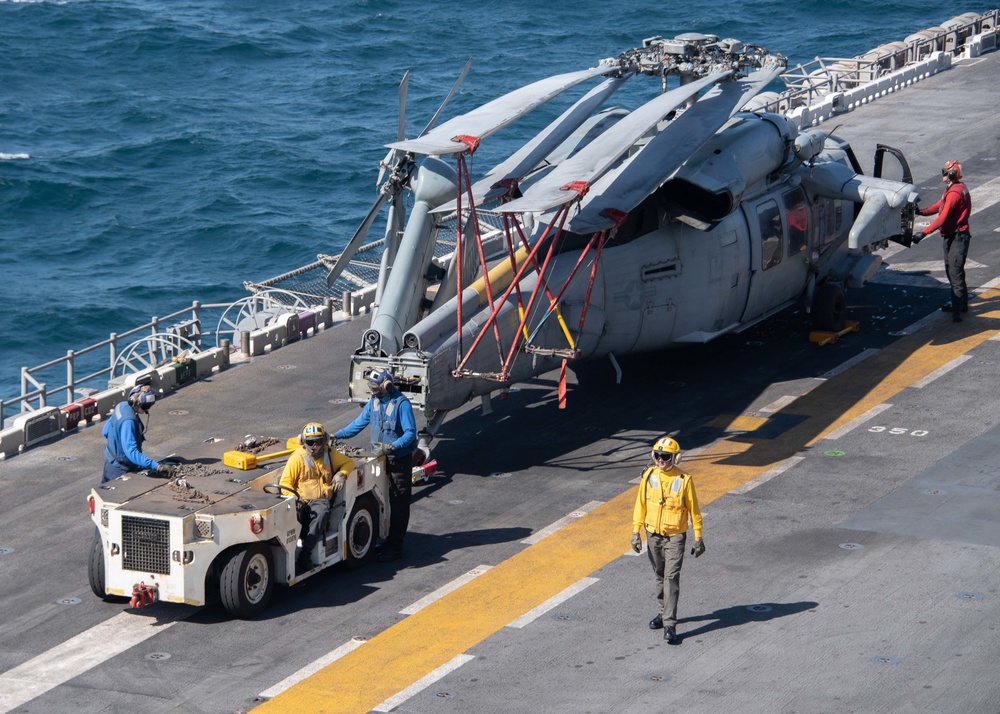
(146, 545)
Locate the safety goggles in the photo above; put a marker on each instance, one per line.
(313, 442)
(663, 457)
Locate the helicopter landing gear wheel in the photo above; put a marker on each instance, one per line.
(829, 308)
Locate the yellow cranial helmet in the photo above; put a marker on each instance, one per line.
(313, 432)
(667, 448)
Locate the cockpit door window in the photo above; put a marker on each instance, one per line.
(797, 215)
(769, 220)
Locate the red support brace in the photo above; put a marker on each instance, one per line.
(561, 217)
(562, 385)
(615, 215)
(580, 187)
(458, 257)
(471, 141)
(494, 312)
(513, 191)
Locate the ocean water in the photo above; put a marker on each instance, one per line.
(157, 152)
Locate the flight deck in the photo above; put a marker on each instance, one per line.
(850, 495)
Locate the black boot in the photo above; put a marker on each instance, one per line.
(656, 623)
(670, 635)
(304, 562)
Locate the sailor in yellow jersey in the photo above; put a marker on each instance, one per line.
(317, 473)
(665, 502)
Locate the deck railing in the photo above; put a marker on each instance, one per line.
(159, 339)
(807, 84)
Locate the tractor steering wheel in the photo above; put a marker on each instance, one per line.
(302, 510)
(276, 489)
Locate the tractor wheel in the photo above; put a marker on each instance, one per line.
(95, 572)
(362, 528)
(829, 308)
(245, 585)
(95, 568)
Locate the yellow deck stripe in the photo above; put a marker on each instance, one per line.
(411, 649)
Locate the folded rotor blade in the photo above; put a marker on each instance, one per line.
(545, 142)
(454, 88)
(401, 129)
(596, 158)
(356, 240)
(493, 116)
(393, 156)
(392, 160)
(628, 186)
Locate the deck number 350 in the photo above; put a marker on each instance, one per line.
(897, 430)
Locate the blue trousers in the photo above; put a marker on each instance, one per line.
(113, 470)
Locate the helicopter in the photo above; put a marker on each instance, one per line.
(613, 231)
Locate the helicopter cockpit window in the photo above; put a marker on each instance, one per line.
(770, 234)
(797, 215)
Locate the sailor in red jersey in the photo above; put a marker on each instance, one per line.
(953, 211)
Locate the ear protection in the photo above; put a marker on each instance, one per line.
(141, 396)
(380, 381)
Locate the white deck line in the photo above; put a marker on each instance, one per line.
(561, 523)
(778, 404)
(857, 359)
(533, 614)
(77, 655)
(312, 668)
(776, 470)
(921, 323)
(422, 683)
(857, 421)
(985, 195)
(444, 590)
(942, 370)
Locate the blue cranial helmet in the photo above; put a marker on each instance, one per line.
(380, 381)
(141, 396)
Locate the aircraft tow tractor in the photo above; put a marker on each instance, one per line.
(213, 533)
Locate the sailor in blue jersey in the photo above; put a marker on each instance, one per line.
(125, 434)
(393, 435)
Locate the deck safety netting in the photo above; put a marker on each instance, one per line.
(309, 282)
